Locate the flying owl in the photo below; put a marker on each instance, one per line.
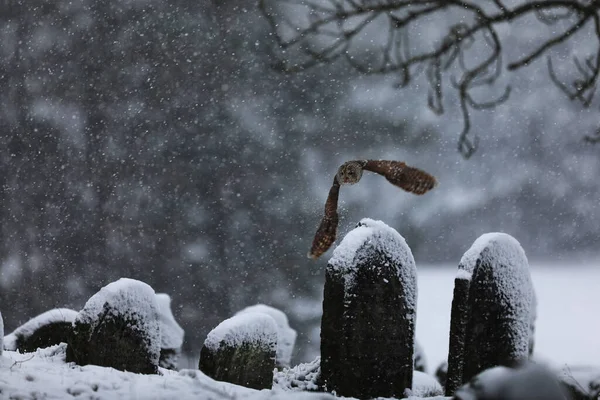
(396, 172)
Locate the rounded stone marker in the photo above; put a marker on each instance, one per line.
(119, 328)
(242, 350)
(369, 314)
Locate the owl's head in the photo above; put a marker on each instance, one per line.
(350, 173)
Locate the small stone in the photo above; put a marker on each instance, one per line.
(119, 328)
(242, 350)
(45, 330)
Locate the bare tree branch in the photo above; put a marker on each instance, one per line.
(553, 42)
(470, 52)
(500, 5)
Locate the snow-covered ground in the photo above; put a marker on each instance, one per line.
(45, 375)
(567, 326)
(566, 333)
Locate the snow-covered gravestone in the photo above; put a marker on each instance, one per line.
(500, 306)
(242, 350)
(286, 336)
(47, 329)
(118, 327)
(369, 315)
(1, 334)
(171, 334)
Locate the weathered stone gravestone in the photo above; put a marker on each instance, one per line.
(242, 350)
(171, 334)
(119, 328)
(47, 329)
(1, 334)
(369, 313)
(493, 311)
(286, 336)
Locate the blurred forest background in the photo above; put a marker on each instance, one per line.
(152, 139)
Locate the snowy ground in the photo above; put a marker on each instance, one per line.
(45, 375)
(567, 325)
(567, 333)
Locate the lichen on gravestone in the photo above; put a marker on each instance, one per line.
(369, 314)
(118, 327)
(242, 350)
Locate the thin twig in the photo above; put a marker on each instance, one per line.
(550, 43)
(19, 362)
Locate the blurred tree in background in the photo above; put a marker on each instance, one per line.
(152, 139)
(126, 152)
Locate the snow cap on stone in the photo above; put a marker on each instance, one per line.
(255, 328)
(129, 299)
(506, 250)
(368, 236)
(29, 327)
(286, 336)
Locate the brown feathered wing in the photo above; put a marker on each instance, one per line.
(399, 174)
(327, 230)
(411, 179)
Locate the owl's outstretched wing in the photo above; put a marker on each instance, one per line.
(327, 230)
(399, 174)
